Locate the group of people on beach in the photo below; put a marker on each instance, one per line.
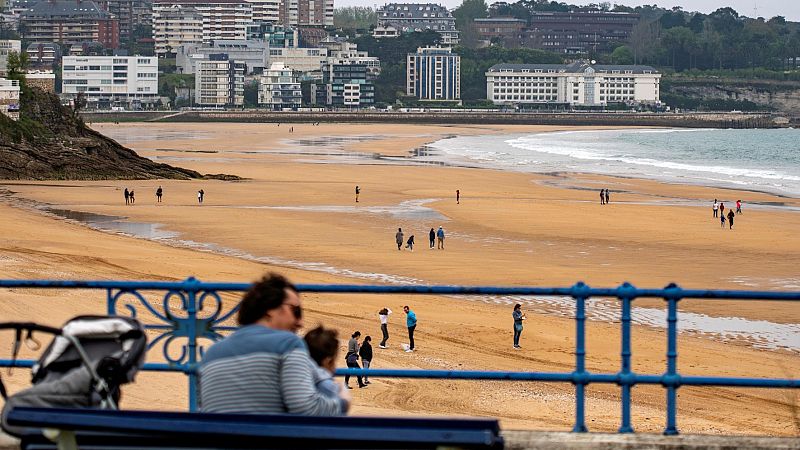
(605, 197)
(130, 199)
(718, 209)
(436, 237)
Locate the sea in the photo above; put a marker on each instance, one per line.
(766, 160)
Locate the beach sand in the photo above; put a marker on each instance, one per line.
(295, 213)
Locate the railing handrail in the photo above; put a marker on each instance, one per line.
(196, 297)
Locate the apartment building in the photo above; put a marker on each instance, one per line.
(68, 22)
(252, 53)
(578, 32)
(43, 55)
(305, 13)
(410, 17)
(342, 52)
(577, 84)
(175, 26)
(219, 82)
(9, 98)
(344, 85)
(433, 73)
(306, 60)
(128, 13)
(507, 30)
(105, 81)
(275, 35)
(265, 11)
(7, 46)
(279, 88)
(222, 19)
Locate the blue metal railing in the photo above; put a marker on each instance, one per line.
(200, 315)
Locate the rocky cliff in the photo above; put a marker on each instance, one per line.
(782, 97)
(50, 142)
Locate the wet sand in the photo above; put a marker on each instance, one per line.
(296, 214)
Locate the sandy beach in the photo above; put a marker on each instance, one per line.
(295, 213)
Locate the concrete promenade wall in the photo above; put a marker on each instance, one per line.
(683, 120)
(543, 440)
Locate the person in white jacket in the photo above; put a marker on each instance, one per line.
(384, 316)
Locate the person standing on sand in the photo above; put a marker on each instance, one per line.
(432, 237)
(458, 197)
(440, 238)
(133, 200)
(722, 209)
(358, 191)
(352, 359)
(731, 215)
(607, 197)
(411, 324)
(127, 197)
(398, 237)
(722, 220)
(365, 352)
(518, 318)
(602, 197)
(383, 315)
(200, 195)
(159, 193)
(716, 208)
(738, 206)
(410, 243)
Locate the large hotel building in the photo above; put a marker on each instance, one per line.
(579, 83)
(433, 73)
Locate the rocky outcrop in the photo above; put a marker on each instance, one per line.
(782, 97)
(49, 142)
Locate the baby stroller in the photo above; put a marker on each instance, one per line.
(84, 367)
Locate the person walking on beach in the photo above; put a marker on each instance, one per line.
(731, 215)
(159, 193)
(722, 220)
(432, 237)
(722, 208)
(383, 315)
(458, 197)
(133, 199)
(398, 237)
(263, 366)
(411, 324)
(358, 191)
(518, 318)
(200, 195)
(602, 197)
(352, 359)
(365, 352)
(410, 243)
(440, 238)
(607, 197)
(716, 208)
(127, 197)
(738, 206)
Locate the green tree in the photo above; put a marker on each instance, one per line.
(17, 66)
(465, 20)
(354, 18)
(622, 55)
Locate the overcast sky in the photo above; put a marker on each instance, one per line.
(766, 8)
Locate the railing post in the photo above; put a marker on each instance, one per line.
(626, 377)
(580, 357)
(671, 378)
(191, 284)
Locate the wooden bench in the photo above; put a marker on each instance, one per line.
(103, 429)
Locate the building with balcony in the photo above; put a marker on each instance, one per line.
(105, 81)
(344, 86)
(219, 82)
(279, 88)
(576, 84)
(68, 22)
(9, 98)
(252, 53)
(506, 30)
(342, 52)
(43, 55)
(7, 46)
(221, 20)
(175, 26)
(275, 35)
(306, 13)
(578, 32)
(433, 73)
(306, 60)
(266, 11)
(410, 17)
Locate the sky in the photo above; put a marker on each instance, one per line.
(766, 8)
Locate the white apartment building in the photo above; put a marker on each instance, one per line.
(128, 81)
(265, 10)
(433, 73)
(7, 46)
(222, 19)
(9, 98)
(175, 26)
(219, 82)
(252, 53)
(579, 83)
(301, 59)
(280, 88)
(348, 53)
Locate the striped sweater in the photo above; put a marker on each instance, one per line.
(260, 370)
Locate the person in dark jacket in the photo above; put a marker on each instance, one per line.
(127, 197)
(432, 237)
(410, 243)
(351, 358)
(731, 215)
(365, 352)
(159, 193)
